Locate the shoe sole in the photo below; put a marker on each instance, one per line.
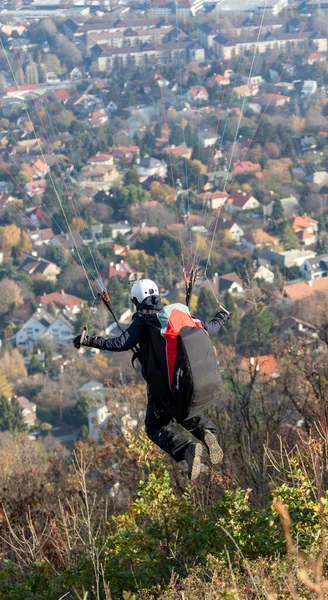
(197, 462)
(214, 449)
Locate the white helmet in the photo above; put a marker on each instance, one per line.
(142, 289)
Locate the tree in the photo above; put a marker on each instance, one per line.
(234, 321)
(9, 237)
(10, 295)
(11, 415)
(255, 333)
(176, 136)
(162, 192)
(24, 246)
(67, 52)
(207, 304)
(5, 387)
(277, 211)
(13, 365)
(288, 237)
(78, 224)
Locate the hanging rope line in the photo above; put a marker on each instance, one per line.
(45, 162)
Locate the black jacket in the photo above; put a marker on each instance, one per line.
(137, 335)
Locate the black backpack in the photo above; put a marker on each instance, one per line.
(179, 362)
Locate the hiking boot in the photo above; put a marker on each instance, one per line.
(193, 456)
(214, 449)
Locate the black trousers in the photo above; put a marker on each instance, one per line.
(170, 436)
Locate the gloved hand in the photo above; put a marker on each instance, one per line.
(77, 342)
(89, 340)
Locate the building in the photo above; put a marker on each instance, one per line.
(303, 290)
(28, 411)
(309, 87)
(291, 327)
(226, 47)
(264, 367)
(230, 282)
(62, 301)
(97, 421)
(214, 199)
(305, 228)
(265, 274)
(229, 229)
(245, 166)
(197, 93)
(258, 239)
(34, 265)
(315, 268)
(288, 258)
(148, 167)
(239, 200)
(42, 324)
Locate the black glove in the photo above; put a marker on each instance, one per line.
(95, 341)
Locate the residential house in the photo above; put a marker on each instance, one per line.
(288, 258)
(97, 421)
(309, 88)
(124, 153)
(28, 411)
(208, 138)
(276, 100)
(181, 151)
(39, 169)
(27, 146)
(308, 143)
(258, 239)
(214, 199)
(318, 177)
(265, 274)
(264, 367)
(98, 118)
(291, 327)
(245, 90)
(62, 301)
(117, 228)
(122, 269)
(197, 93)
(217, 79)
(230, 282)
(290, 205)
(42, 324)
(35, 187)
(67, 241)
(304, 290)
(229, 229)
(315, 268)
(101, 158)
(148, 167)
(245, 166)
(239, 200)
(99, 177)
(75, 74)
(34, 265)
(41, 237)
(305, 228)
(315, 57)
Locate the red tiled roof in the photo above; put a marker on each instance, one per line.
(61, 95)
(303, 222)
(305, 289)
(61, 299)
(245, 165)
(266, 365)
(239, 198)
